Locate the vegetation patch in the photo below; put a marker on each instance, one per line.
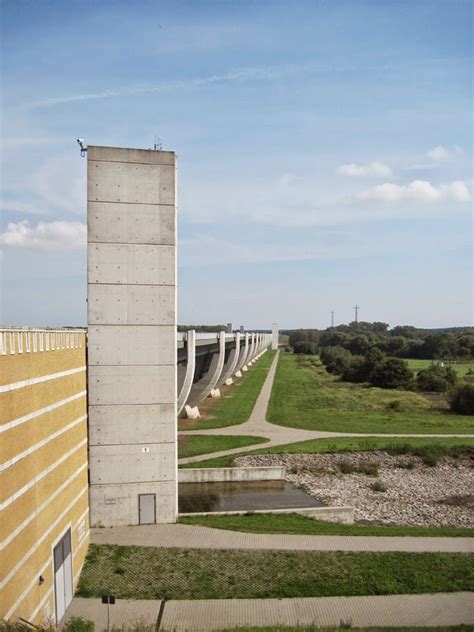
(406, 446)
(195, 445)
(297, 524)
(155, 573)
(237, 401)
(306, 396)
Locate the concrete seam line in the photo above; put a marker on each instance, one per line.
(41, 411)
(38, 380)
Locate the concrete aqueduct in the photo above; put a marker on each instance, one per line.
(141, 373)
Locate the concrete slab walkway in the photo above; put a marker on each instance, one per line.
(441, 609)
(197, 537)
(258, 426)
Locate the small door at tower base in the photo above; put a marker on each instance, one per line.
(146, 508)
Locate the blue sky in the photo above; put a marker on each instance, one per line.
(324, 147)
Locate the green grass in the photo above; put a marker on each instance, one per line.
(157, 573)
(461, 368)
(297, 524)
(305, 396)
(205, 444)
(405, 445)
(237, 402)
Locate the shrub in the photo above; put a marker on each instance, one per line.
(394, 404)
(78, 624)
(392, 373)
(346, 467)
(436, 378)
(310, 348)
(407, 465)
(335, 359)
(378, 486)
(461, 398)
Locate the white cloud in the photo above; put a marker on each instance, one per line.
(444, 153)
(418, 190)
(45, 235)
(375, 169)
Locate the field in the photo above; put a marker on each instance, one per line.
(189, 446)
(237, 401)
(131, 572)
(305, 396)
(461, 368)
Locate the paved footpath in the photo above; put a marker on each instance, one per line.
(195, 537)
(258, 426)
(440, 609)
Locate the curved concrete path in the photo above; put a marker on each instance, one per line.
(184, 536)
(258, 426)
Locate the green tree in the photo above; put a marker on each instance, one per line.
(461, 398)
(392, 373)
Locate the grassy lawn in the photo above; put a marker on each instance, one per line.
(204, 444)
(297, 524)
(461, 368)
(131, 572)
(237, 401)
(405, 445)
(305, 396)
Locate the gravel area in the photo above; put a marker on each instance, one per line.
(416, 494)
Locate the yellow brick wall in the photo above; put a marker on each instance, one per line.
(44, 492)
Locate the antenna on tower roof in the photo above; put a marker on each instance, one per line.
(158, 144)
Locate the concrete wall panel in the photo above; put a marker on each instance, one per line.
(131, 223)
(120, 424)
(132, 464)
(130, 183)
(116, 385)
(131, 304)
(127, 345)
(134, 264)
(115, 505)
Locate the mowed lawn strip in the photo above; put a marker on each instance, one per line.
(305, 395)
(194, 445)
(297, 524)
(132, 572)
(237, 402)
(403, 445)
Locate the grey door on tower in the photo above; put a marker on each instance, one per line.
(146, 509)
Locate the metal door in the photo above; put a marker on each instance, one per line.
(62, 575)
(146, 509)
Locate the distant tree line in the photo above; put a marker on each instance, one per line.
(403, 341)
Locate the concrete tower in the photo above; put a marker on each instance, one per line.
(274, 336)
(131, 208)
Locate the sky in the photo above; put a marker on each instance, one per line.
(324, 153)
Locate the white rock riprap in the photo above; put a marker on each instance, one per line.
(439, 496)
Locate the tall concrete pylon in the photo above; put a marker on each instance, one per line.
(131, 209)
(275, 335)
